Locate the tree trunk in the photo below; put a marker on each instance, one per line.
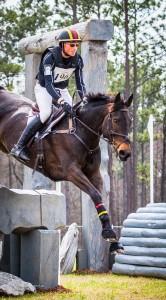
(163, 175)
(135, 192)
(143, 187)
(127, 187)
(74, 8)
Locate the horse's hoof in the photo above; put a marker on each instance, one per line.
(116, 247)
(109, 235)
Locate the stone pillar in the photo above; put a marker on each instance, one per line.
(94, 54)
(40, 264)
(10, 261)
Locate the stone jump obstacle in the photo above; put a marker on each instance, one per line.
(29, 220)
(94, 34)
(144, 239)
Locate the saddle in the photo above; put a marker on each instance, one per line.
(56, 115)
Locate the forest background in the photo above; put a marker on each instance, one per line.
(136, 64)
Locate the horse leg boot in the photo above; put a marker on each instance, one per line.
(108, 232)
(19, 151)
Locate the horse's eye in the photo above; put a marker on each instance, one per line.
(116, 121)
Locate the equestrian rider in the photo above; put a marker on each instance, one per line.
(56, 67)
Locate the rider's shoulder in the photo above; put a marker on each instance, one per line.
(80, 61)
(48, 56)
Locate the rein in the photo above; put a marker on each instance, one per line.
(111, 132)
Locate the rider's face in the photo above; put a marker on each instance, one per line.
(70, 48)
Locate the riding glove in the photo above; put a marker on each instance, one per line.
(67, 108)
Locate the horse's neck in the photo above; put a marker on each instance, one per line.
(94, 116)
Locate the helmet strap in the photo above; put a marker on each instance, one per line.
(63, 50)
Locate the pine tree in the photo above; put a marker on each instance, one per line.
(22, 18)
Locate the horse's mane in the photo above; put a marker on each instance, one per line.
(10, 102)
(102, 99)
(98, 97)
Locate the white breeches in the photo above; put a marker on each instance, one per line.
(44, 100)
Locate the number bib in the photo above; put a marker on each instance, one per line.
(61, 74)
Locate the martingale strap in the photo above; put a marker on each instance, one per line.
(69, 130)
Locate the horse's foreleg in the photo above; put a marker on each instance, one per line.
(115, 247)
(92, 187)
(97, 181)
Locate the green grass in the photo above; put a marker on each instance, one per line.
(104, 287)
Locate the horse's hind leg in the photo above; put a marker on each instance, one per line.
(77, 177)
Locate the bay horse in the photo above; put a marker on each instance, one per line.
(75, 156)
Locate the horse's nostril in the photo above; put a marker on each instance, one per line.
(123, 154)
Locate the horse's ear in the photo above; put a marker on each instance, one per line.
(129, 100)
(117, 98)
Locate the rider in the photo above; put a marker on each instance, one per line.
(56, 67)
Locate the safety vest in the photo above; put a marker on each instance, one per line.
(62, 71)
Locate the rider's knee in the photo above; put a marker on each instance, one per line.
(45, 115)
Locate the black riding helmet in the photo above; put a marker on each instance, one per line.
(69, 35)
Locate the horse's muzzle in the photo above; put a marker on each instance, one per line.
(124, 155)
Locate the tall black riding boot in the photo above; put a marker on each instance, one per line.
(19, 151)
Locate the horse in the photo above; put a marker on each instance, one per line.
(74, 156)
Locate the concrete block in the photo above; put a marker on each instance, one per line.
(82, 259)
(143, 232)
(10, 261)
(40, 264)
(15, 249)
(141, 260)
(153, 210)
(154, 224)
(144, 251)
(131, 270)
(5, 259)
(147, 216)
(24, 210)
(143, 242)
(156, 205)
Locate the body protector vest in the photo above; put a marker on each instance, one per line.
(62, 71)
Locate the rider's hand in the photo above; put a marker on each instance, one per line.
(35, 107)
(85, 100)
(67, 108)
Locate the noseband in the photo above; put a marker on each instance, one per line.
(113, 133)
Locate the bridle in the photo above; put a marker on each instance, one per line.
(111, 133)
(114, 133)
